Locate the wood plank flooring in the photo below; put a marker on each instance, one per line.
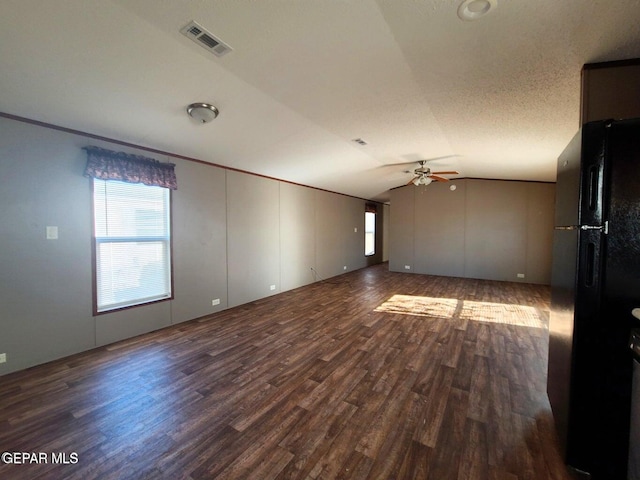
(370, 375)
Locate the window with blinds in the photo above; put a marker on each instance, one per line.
(132, 244)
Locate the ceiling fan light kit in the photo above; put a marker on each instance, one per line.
(424, 176)
(422, 180)
(202, 112)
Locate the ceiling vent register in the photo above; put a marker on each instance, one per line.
(205, 39)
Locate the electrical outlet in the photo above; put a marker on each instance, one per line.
(215, 302)
(52, 233)
(521, 275)
(344, 268)
(355, 229)
(272, 287)
(407, 267)
(3, 357)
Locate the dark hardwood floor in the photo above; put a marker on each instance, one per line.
(370, 375)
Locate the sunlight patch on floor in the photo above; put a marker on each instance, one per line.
(506, 314)
(420, 306)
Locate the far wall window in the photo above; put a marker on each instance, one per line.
(369, 233)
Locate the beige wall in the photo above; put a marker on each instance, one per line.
(234, 235)
(385, 232)
(402, 229)
(340, 244)
(297, 235)
(439, 230)
(485, 229)
(253, 237)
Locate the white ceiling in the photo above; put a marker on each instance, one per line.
(499, 96)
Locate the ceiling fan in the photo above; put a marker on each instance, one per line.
(424, 176)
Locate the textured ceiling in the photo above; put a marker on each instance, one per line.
(498, 96)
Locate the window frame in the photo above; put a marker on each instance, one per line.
(94, 256)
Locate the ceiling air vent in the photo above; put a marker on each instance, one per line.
(205, 39)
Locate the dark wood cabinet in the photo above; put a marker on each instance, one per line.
(610, 90)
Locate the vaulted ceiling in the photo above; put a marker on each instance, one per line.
(498, 97)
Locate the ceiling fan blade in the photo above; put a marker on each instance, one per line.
(438, 179)
(446, 173)
(432, 159)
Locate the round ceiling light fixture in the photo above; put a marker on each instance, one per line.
(473, 9)
(202, 112)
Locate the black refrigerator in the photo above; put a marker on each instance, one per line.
(595, 284)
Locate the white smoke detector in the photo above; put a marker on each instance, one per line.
(473, 9)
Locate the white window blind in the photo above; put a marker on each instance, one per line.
(132, 244)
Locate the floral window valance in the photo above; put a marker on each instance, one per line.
(109, 165)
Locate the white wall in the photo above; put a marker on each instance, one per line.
(234, 235)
